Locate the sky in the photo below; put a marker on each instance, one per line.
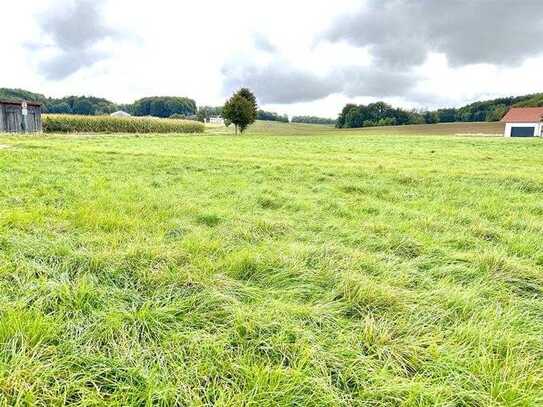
(299, 57)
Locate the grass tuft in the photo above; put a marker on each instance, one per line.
(208, 219)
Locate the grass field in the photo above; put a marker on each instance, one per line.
(449, 129)
(341, 268)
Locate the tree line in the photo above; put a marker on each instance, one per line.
(163, 107)
(271, 116)
(374, 114)
(91, 106)
(313, 120)
(383, 114)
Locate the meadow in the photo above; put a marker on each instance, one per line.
(328, 268)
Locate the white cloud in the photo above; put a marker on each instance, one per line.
(134, 49)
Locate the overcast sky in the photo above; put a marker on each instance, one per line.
(300, 57)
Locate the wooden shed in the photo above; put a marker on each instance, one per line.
(20, 117)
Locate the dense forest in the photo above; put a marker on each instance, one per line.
(382, 114)
(163, 107)
(376, 114)
(313, 120)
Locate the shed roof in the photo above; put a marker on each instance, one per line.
(17, 103)
(523, 115)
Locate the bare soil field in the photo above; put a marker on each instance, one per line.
(477, 128)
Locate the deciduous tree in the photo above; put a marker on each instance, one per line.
(240, 111)
(247, 94)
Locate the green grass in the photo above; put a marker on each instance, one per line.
(333, 269)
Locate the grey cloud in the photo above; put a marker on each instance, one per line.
(277, 83)
(262, 43)
(282, 83)
(76, 27)
(400, 33)
(371, 81)
(67, 63)
(74, 33)
(429, 100)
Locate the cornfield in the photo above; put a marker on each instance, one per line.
(106, 124)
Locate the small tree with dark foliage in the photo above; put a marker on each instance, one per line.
(241, 109)
(247, 94)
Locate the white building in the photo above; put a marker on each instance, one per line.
(216, 120)
(120, 113)
(524, 122)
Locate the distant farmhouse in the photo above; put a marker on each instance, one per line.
(20, 117)
(216, 120)
(120, 113)
(524, 122)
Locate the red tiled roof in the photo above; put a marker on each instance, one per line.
(523, 115)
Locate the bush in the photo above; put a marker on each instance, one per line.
(108, 124)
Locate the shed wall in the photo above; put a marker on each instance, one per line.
(11, 119)
(509, 126)
(34, 119)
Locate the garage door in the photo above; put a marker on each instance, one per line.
(522, 131)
